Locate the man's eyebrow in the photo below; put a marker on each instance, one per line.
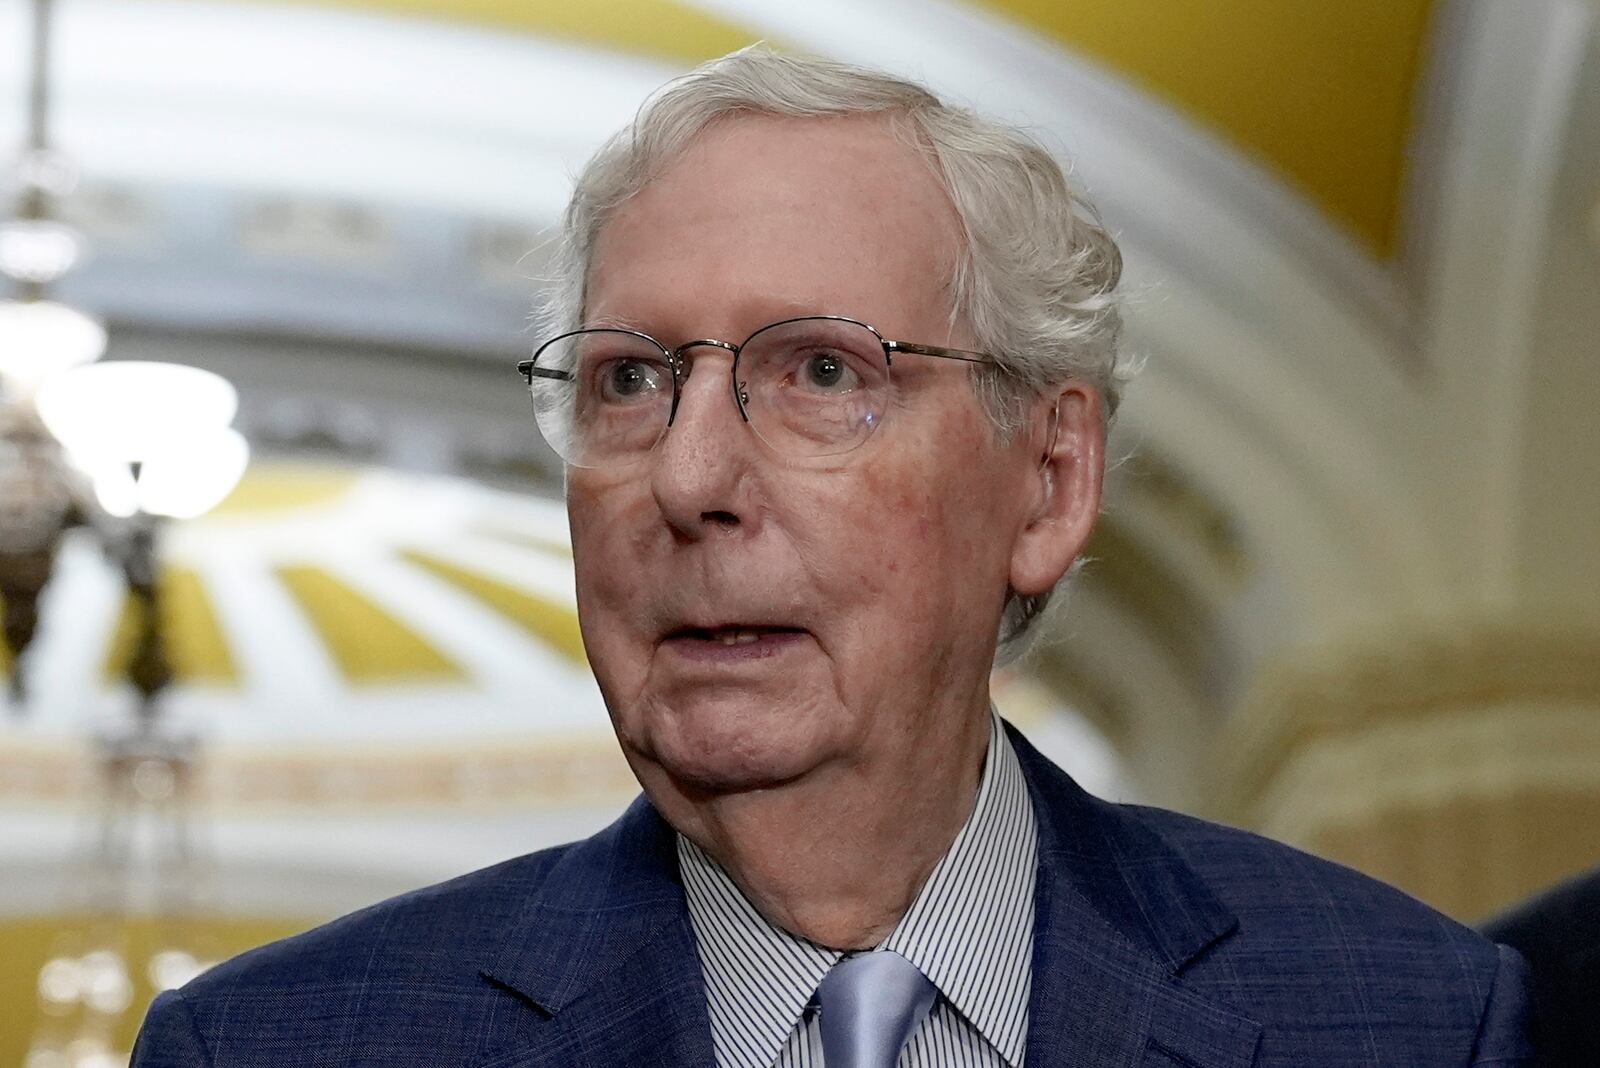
(762, 312)
(614, 322)
(777, 309)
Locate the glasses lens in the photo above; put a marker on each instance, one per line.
(607, 403)
(814, 387)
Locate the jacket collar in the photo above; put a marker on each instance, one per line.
(604, 954)
(1119, 915)
(606, 939)
(1108, 858)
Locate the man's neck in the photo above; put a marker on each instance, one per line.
(837, 858)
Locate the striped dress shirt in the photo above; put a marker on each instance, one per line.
(970, 930)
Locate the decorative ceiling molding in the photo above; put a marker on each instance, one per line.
(315, 101)
(1493, 191)
(1421, 670)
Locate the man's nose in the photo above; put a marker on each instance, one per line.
(701, 467)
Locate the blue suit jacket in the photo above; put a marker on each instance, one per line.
(1160, 941)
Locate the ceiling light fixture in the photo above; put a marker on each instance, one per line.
(41, 338)
(38, 251)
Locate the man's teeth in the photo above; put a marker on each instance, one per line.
(735, 637)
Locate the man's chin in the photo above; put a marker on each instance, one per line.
(712, 750)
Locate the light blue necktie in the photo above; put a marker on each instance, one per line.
(869, 1005)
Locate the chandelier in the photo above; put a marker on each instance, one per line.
(37, 335)
(121, 448)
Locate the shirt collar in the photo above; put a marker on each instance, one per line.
(969, 930)
(758, 976)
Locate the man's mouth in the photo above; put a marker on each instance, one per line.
(737, 640)
(736, 634)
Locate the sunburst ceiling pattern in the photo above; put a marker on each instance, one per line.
(390, 580)
(369, 643)
(338, 635)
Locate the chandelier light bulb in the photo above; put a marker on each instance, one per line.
(128, 412)
(169, 419)
(114, 486)
(190, 481)
(183, 482)
(37, 250)
(40, 338)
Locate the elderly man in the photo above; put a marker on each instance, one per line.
(831, 376)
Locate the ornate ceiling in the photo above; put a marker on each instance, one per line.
(1325, 94)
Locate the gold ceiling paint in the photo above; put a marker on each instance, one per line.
(369, 645)
(553, 623)
(281, 486)
(1324, 93)
(196, 647)
(661, 28)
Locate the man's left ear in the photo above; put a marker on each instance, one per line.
(1066, 482)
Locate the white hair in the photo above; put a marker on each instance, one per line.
(1036, 276)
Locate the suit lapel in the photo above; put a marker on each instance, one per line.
(601, 968)
(603, 960)
(1119, 916)
(651, 1012)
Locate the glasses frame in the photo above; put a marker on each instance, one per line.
(529, 369)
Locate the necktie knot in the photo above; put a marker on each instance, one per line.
(870, 1004)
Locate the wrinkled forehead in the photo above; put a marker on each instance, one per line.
(796, 215)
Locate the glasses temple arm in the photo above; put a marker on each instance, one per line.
(528, 371)
(964, 355)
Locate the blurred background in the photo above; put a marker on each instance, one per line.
(283, 561)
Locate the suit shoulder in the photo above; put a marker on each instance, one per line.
(1314, 949)
(399, 934)
(1281, 893)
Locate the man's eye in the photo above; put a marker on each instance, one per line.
(828, 373)
(629, 379)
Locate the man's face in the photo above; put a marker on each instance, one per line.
(754, 618)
